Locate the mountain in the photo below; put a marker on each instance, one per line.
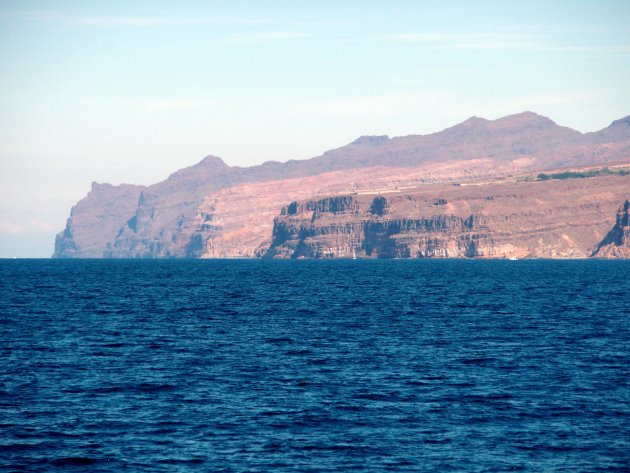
(215, 210)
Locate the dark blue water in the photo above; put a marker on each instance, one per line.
(281, 366)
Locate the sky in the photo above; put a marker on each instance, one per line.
(131, 91)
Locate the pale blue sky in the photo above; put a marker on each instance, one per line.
(132, 91)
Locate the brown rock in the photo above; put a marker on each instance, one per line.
(546, 219)
(616, 244)
(95, 221)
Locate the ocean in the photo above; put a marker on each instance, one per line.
(314, 366)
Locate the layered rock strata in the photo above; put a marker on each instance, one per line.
(561, 219)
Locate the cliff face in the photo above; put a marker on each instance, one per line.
(562, 219)
(214, 210)
(437, 236)
(96, 220)
(616, 244)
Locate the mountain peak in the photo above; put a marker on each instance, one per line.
(475, 119)
(472, 122)
(619, 130)
(517, 120)
(526, 118)
(213, 161)
(465, 127)
(371, 140)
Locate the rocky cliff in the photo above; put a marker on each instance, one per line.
(215, 210)
(95, 221)
(616, 243)
(561, 219)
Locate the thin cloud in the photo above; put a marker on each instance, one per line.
(137, 21)
(38, 225)
(8, 227)
(525, 40)
(623, 49)
(465, 41)
(157, 21)
(265, 36)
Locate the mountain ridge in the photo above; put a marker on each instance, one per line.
(160, 219)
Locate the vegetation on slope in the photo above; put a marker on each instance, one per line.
(583, 174)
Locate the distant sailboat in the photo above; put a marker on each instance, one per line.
(354, 254)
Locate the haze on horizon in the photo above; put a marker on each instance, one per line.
(131, 92)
